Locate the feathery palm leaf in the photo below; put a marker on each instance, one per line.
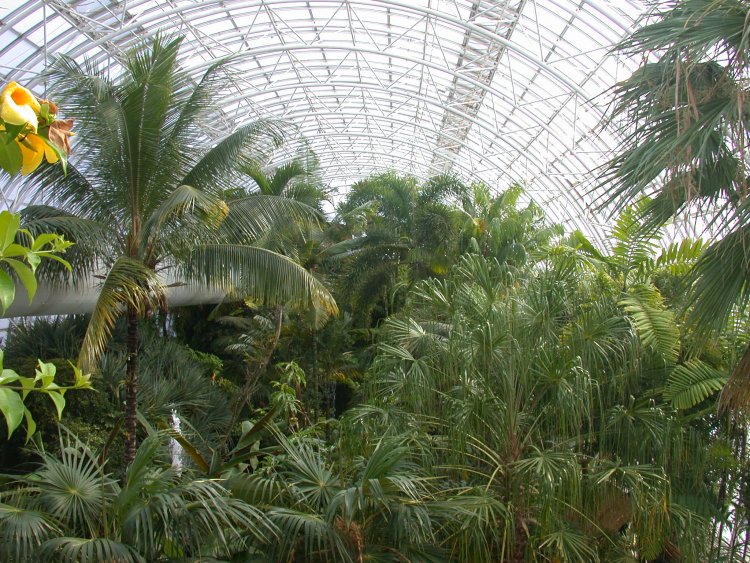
(128, 283)
(692, 383)
(248, 270)
(655, 325)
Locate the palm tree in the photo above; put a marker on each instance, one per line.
(373, 507)
(688, 145)
(497, 227)
(144, 197)
(538, 399)
(398, 245)
(72, 510)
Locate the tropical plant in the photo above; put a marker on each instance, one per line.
(534, 400)
(21, 253)
(497, 227)
(398, 244)
(146, 193)
(687, 146)
(72, 510)
(370, 508)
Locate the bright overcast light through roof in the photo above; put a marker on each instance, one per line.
(501, 92)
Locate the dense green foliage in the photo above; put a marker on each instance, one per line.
(494, 389)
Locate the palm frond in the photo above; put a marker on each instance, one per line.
(208, 210)
(193, 107)
(23, 530)
(79, 192)
(92, 240)
(72, 550)
(656, 325)
(285, 176)
(145, 96)
(316, 533)
(73, 487)
(99, 152)
(692, 383)
(251, 217)
(569, 544)
(720, 280)
(129, 283)
(216, 170)
(250, 271)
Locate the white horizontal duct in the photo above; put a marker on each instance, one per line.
(69, 301)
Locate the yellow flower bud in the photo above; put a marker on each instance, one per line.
(19, 106)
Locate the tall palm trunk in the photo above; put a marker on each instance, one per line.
(131, 390)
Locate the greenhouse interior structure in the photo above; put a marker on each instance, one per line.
(375, 280)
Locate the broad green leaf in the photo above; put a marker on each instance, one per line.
(33, 259)
(14, 249)
(30, 424)
(59, 401)
(26, 276)
(81, 381)
(46, 238)
(45, 373)
(28, 384)
(10, 158)
(57, 259)
(7, 291)
(9, 225)
(8, 376)
(13, 130)
(12, 407)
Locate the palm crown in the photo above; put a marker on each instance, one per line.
(144, 195)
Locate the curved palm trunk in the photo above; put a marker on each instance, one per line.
(131, 390)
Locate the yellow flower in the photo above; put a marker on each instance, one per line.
(33, 148)
(19, 106)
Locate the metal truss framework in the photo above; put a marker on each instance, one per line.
(498, 91)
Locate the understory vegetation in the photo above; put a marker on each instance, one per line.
(433, 372)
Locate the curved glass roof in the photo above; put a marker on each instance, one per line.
(501, 91)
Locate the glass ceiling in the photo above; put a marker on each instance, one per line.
(501, 91)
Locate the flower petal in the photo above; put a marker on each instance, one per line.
(32, 151)
(19, 106)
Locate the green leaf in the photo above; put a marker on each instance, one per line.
(45, 239)
(30, 424)
(690, 384)
(60, 260)
(26, 275)
(7, 291)
(12, 407)
(59, 401)
(12, 130)
(61, 154)
(81, 381)
(8, 376)
(33, 259)
(10, 158)
(45, 373)
(655, 325)
(15, 250)
(9, 225)
(28, 384)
